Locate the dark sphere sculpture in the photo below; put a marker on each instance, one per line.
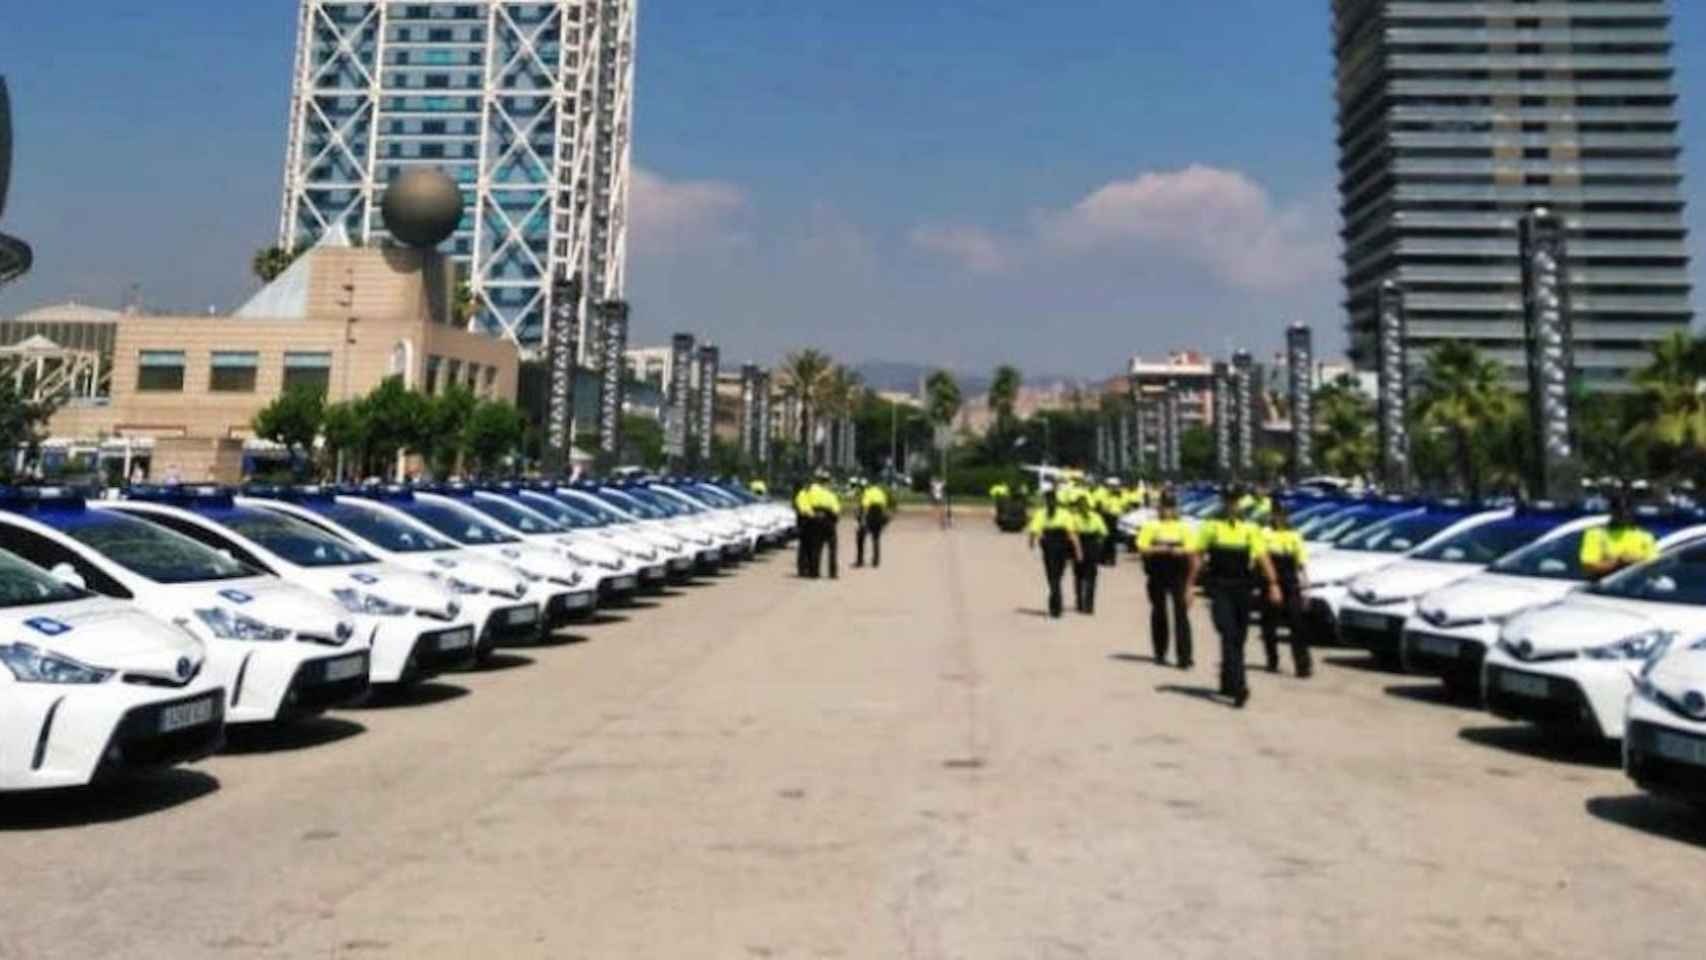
(422, 208)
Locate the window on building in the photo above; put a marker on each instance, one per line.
(433, 363)
(312, 370)
(160, 370)
(490, 385)
(233, 371)
(453, 373)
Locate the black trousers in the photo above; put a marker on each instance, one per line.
(1168, 589)
(1232, 606)
(1111, 543)
(1057, 553)
(1289, 613)
(872, 526)
(1084, 572)
(828, 539)
(805, 545)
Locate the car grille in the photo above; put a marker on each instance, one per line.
(1381, 643)
(137, 742)
(1658, 773)
(310, 693)
(1470, 654)
(558, 612)
(1564, 707)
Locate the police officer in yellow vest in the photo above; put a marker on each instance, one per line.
(1618, 544)
(1111, 502)
(874, 509)
(1167, 547)
(805, 531)
(825, 510)
(1054, 529)
(1290, 559)
(1233, 564)
(759, 488)
(1092, 534)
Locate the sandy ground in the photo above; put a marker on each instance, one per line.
(905, 763)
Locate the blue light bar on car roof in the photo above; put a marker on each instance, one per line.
(182, 495)
(21, 499)
(382, 492)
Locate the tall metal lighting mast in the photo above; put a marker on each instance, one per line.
(1394, 372)
(1300, 368)
(1548, 328)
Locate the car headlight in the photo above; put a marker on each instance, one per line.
(227, 625)
(33, 665)
(370, 604)
(461, 586)
(1641, 646)
(572, 580)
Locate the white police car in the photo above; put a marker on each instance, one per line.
(633, 552)
(490, 593)
(621, 563)
(278, 649)
(709, 505)
(92, 687)
(414, 624)
(777, 519)
(627, 517)
(1368, 546)
(1568, 666)
(1391, 591)
(673, 518)
(1451, 629)
(564, 589)
(1664, 741)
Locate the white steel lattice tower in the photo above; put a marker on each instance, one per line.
(528, 106)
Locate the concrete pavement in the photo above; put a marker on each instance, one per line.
(906, 763)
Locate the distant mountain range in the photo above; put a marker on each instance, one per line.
(890, 375)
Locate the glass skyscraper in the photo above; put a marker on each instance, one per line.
(1457, 116)
(527, 105)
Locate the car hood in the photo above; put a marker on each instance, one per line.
(536, 560)
(110, 634)
(1339, 565)
(1681, 676)
(1405, 580)
(1580, 621)
(477, 570)
(1487, 596)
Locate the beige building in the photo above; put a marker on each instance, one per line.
(341, 319)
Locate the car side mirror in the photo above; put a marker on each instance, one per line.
(67, 574)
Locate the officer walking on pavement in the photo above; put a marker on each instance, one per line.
(1092, 534)
(1290, 559)
(1167, 548)
(874, 508)
(825, 509)
(1234, 565)
(1055, 530)
(805, 529)
(1620, 543)
(1111, 504)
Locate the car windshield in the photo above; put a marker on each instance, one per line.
(734, 493)
(706, 493)
(1556, 558)
(22, 585)
(575, 517)
(515, 516)
(382, 530)
(152, 551)
(297, 542)
(1307, 512)
(1676, 577)
(458, 523)
(1399, 534)
(1336, 527)
(633, 505)
(597, 507)
(1483, 544)
(674, 499)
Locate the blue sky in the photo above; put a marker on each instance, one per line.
(954, 181)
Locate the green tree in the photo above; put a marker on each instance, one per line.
(23, 424)
(293, 419)
(446, 415)
(397, 421)
(494, 432)
(942, 398)
(643, 439)
(1464, 397)
(1345, 443)
(1003, 402)
(1196, 452)
(802, 375)
(465, 305)
(345, 429)
(269, 262)
(1673, 416)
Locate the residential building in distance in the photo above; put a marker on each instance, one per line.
(526, 105)
(1457, 118)
(1192, 372)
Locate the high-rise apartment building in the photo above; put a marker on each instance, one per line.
(527, 105)
(1457, 116)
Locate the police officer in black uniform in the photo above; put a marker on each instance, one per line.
(1234, 565)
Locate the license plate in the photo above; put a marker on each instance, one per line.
(1679, 748)
(680, 563)
(652, 573)
(520, 615)
(345, 667)
(181, 715)
(1524, 685)
(1438, 646)
(1367, 621)
(624, 583)
(456, 640)
(578, 601)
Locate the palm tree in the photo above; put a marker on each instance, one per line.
(463, 308)
(942, 398)
(1004, 396)
(1673, 388)
(1464, 397)
(1344, 435)
(804, 372)
(269, 262)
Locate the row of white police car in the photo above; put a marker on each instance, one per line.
(1494, 601)
(134, 630)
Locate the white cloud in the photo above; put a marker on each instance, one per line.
(1220, 220)
(973, 248)
(834, 239)
(668, 216)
